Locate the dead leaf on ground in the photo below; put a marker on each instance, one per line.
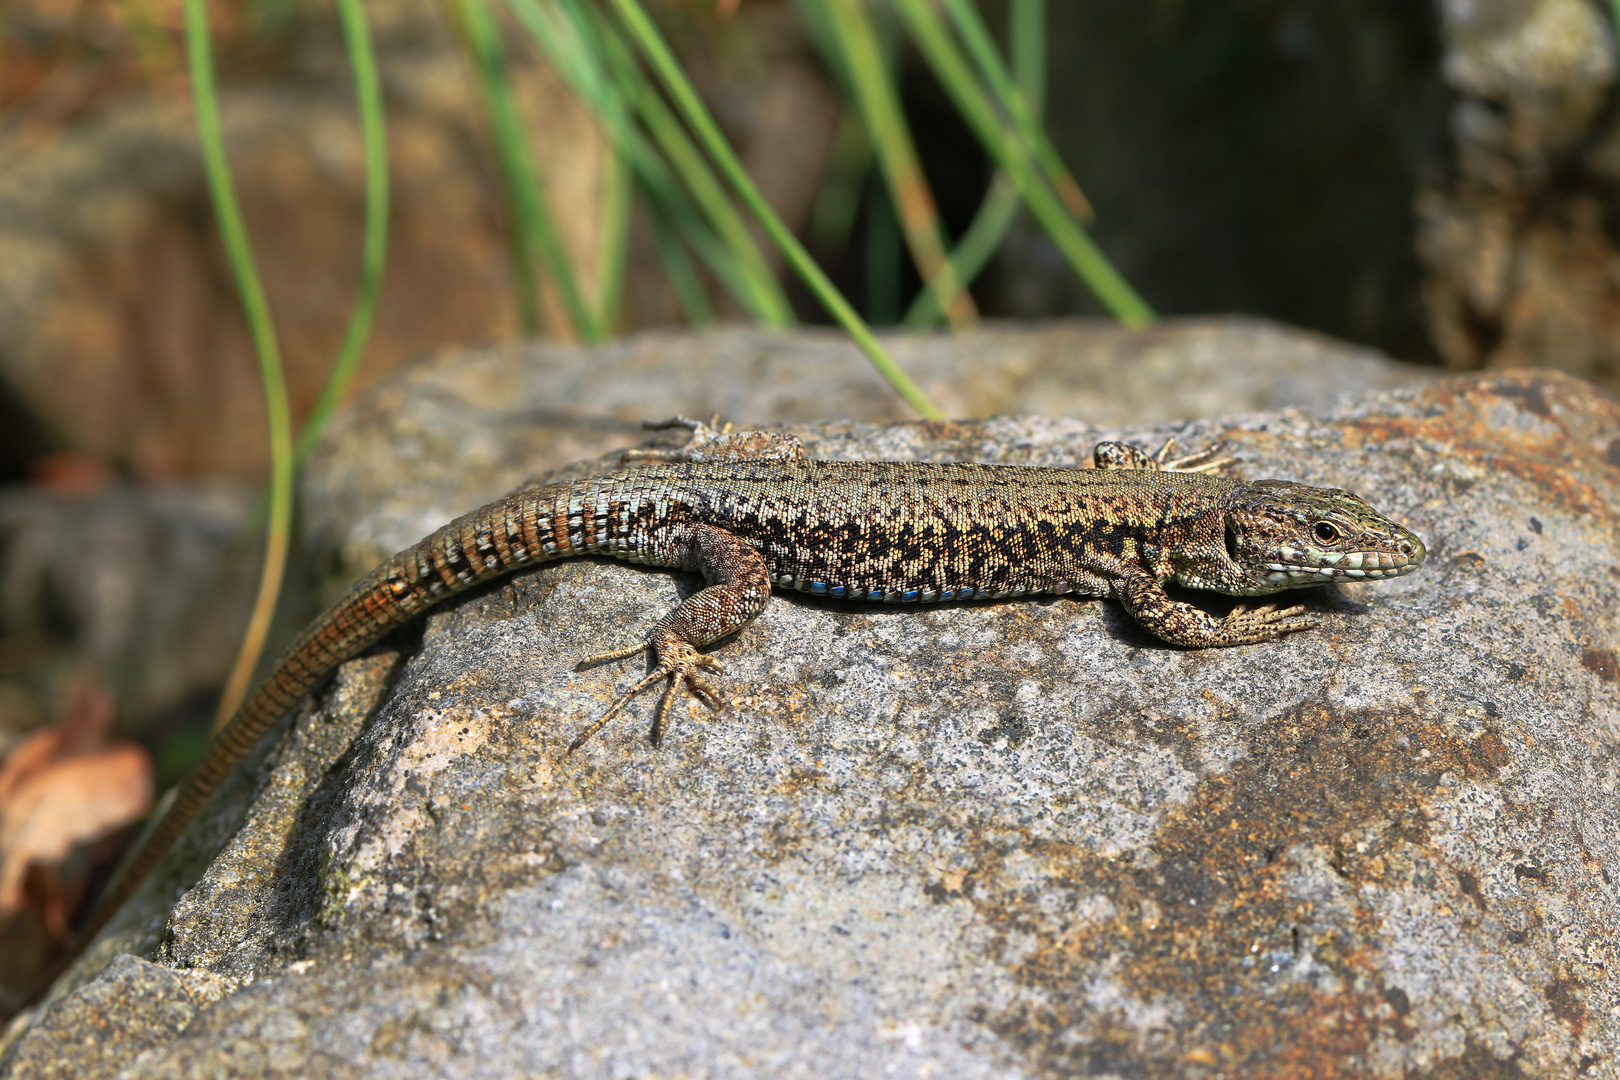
(66, 785)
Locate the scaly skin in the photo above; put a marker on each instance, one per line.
(749, 512)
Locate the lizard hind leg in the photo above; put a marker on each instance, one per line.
(740, 585)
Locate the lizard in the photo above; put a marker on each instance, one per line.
(750, 512)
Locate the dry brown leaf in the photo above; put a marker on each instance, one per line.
(67, 785)
(68, 803)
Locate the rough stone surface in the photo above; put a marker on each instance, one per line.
(133, 1004)
(457, 430)
(987, 839)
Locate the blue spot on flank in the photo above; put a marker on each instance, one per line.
(910, 595)
(947, 594)
(875, 594)
(963, 594)
(819, 588)
(836, 590)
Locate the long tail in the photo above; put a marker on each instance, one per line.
(531, 527)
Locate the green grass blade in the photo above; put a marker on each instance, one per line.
(761, 293)
(610, 261)
(374, 252)
(524, 259)
(715, 254)
(1026, 45)
(683, 276)
(1015, 99)
(564, 41)
(1009, 151)
(569, 44)
(601, 72)
(978, 244)
(838, 200)
(910, 196)
(239, 251)
(561, 39)
(883, 262)
(536, 233)
(652, 45)
(1027, 38)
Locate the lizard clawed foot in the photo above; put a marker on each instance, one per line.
(1267, 622)
(678, 663)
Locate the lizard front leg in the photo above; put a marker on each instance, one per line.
(739, 586)
(1183, 624)
(1124, 456)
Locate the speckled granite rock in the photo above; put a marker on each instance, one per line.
(133, 1004)
(1011, 839)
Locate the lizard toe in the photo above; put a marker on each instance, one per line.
(611, 656)
(682, 671)
(1246, 625)
(703, 690)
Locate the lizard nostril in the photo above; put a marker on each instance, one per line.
(1406, 547)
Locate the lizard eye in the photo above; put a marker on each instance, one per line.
(1325, 532)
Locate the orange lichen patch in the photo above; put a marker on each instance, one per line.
(1201, 934)
(1465, 418)
(1352, 438)
(1557, 482)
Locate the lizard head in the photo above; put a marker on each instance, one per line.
(1281, 535)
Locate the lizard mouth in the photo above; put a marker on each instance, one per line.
(1296, 565)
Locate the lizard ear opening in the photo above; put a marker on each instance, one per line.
(1231, 541)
